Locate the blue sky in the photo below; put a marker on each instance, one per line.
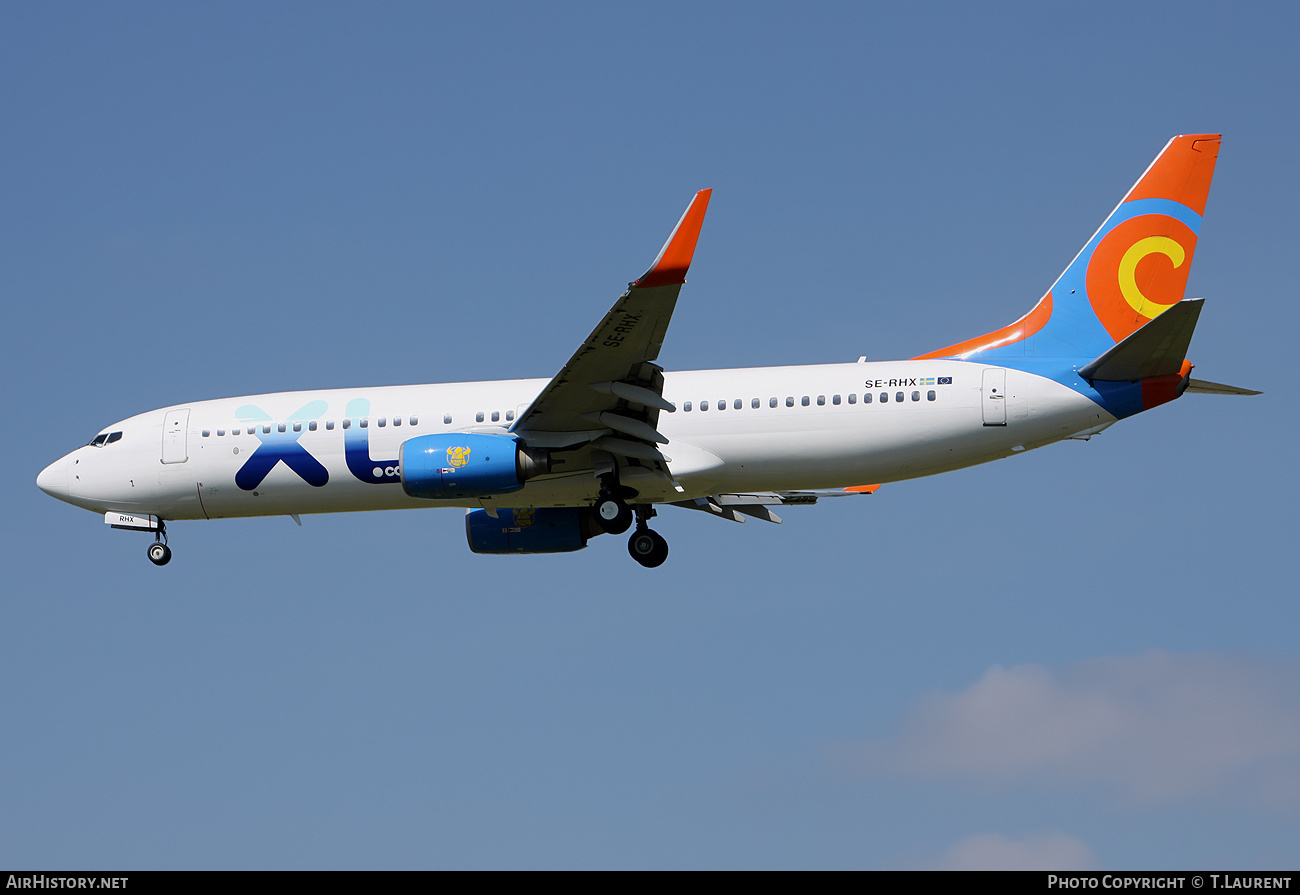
(1084, 656)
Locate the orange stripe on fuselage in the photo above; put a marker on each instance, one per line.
(1022, 329)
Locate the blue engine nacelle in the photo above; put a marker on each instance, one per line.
(524, 530)
(467, 465)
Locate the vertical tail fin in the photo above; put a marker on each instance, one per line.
(1133, 269)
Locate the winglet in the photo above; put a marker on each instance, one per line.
(674, 258)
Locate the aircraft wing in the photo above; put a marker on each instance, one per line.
(611, 389)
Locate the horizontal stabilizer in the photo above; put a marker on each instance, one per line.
(1157, 349)
(1215, 388)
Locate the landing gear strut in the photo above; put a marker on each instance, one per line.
(159, 553)
(646, 546)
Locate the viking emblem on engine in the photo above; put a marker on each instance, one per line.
(457, 456)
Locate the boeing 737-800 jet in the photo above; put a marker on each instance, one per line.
(543, 465)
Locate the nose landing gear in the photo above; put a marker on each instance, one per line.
(159, 553)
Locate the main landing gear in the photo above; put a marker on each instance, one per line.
(159, 553)
(612, 514)
(646, 546)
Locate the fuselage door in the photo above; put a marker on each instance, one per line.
(994, 400)
(174, 427)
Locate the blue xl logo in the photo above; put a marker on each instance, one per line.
(280, 445)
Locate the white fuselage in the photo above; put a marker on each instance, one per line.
(180, 462)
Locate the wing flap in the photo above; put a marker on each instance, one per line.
(755, 505)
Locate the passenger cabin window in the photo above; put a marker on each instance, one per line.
(704, 405)
(329, 424)
(772, 402)
(221, 432)
(740, 402)
(365, 422)
(687, 407)
(821, 400)
(929, 396)
(884, 397)
(281, 427)
(510, 414)
(446, 419)
(397, 421)
(789, 401)
(916, 396)
(383, 421)
(266, 429)
(415, 421)
(347, 422)
(804, 401)
(835, 400)
(207, 432)
(898, 396)
(496, 416)
(722, 405)
(853, 399)
(312, 426)
(478, 417)
(297, 427)
(754, 403)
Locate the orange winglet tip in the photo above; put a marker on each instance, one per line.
(674, 258)
(863, 489)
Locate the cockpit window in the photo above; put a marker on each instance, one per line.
(104, 438)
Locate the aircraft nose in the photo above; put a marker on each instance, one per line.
(53, 479)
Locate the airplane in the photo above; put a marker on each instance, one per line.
(544, 465)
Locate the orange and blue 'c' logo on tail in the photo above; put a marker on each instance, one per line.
(1132, 269)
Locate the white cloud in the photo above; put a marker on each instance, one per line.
(1156, 726)
(993, 851)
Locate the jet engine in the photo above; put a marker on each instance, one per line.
(526, 530)
(457, 465)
